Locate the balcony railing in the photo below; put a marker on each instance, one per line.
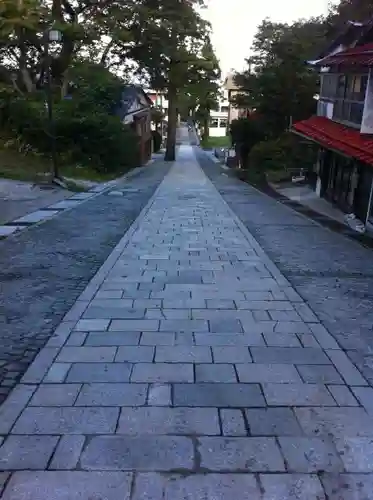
(349, 112)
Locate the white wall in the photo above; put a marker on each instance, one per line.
(367, 121)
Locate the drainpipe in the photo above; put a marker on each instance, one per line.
(369, 203)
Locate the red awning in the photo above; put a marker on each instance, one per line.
(332, 135)
(358, 56)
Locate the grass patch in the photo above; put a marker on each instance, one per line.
(35, 168)
(217, 142)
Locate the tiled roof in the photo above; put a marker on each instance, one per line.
(338, 137)
(357, 56)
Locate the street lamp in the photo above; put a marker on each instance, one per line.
(50, 36)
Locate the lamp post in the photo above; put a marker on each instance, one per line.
(50, 36)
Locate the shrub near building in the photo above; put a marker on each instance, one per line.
(87, 131)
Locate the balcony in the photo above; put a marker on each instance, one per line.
(342, 98)
(349, 112)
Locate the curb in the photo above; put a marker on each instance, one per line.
(13, 228)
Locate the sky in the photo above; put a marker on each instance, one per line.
(234, 24)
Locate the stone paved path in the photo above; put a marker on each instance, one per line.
(188, 369)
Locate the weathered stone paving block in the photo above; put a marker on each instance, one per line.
(148, 453)
(65, 420)
(86, 354)
(348, 486)
(297, 395)
(91, 325)
(112, 395)
(75, 485)
(291, 355)
(231, 354)
(356, 453)
(342, 395)
(339, 422)
(133, 325)
(218, 395)
(211, 487)
(233, 423)
(183, 354)
(55, 395)
(110, 312)
(365, 397)
(161, 420)
(182, 325)
(99, 372)
(240, 454)
(260, 373)
(234, 340)
(13, 406)
(113, 339)
(57, 373)
(323, 336)
(27, 452)
(215, 373)
(319, 374)
(135, 354)
(291, 487)
(272, 422)
(67, 453)
(40, 366)
(346, 368)
(162, 372)
(282, 340)
(305, 454)
(159, 395)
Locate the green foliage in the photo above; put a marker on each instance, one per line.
(245, 133)
(281, 86)
(286, 154)
(87, 131)
(157, 141)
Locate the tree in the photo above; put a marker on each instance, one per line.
(281, 88)
(168, 38)
(85, 25)
(206, 89)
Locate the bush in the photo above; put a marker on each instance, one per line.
(246, 133)
(96, 139)
(87, 131)
(288, 153)
(157, 141)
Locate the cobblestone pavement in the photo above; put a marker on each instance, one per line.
(189, 368)
(44, 269)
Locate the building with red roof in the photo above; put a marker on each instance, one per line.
(343, 127)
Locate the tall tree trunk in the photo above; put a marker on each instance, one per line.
(172, 123)
(205, 128)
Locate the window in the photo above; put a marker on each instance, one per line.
(224, 109)
(350, 96)
(223, 123)
(214, 123)
(328, 85)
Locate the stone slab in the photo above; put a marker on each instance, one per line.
(240, 454)
(292, 487)
(218, 395)
(26, 452)
(66, 420)
(63, 485)
(35, 217)
(148, 453)
(99, 372)
(112, 394)
(174, 421)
